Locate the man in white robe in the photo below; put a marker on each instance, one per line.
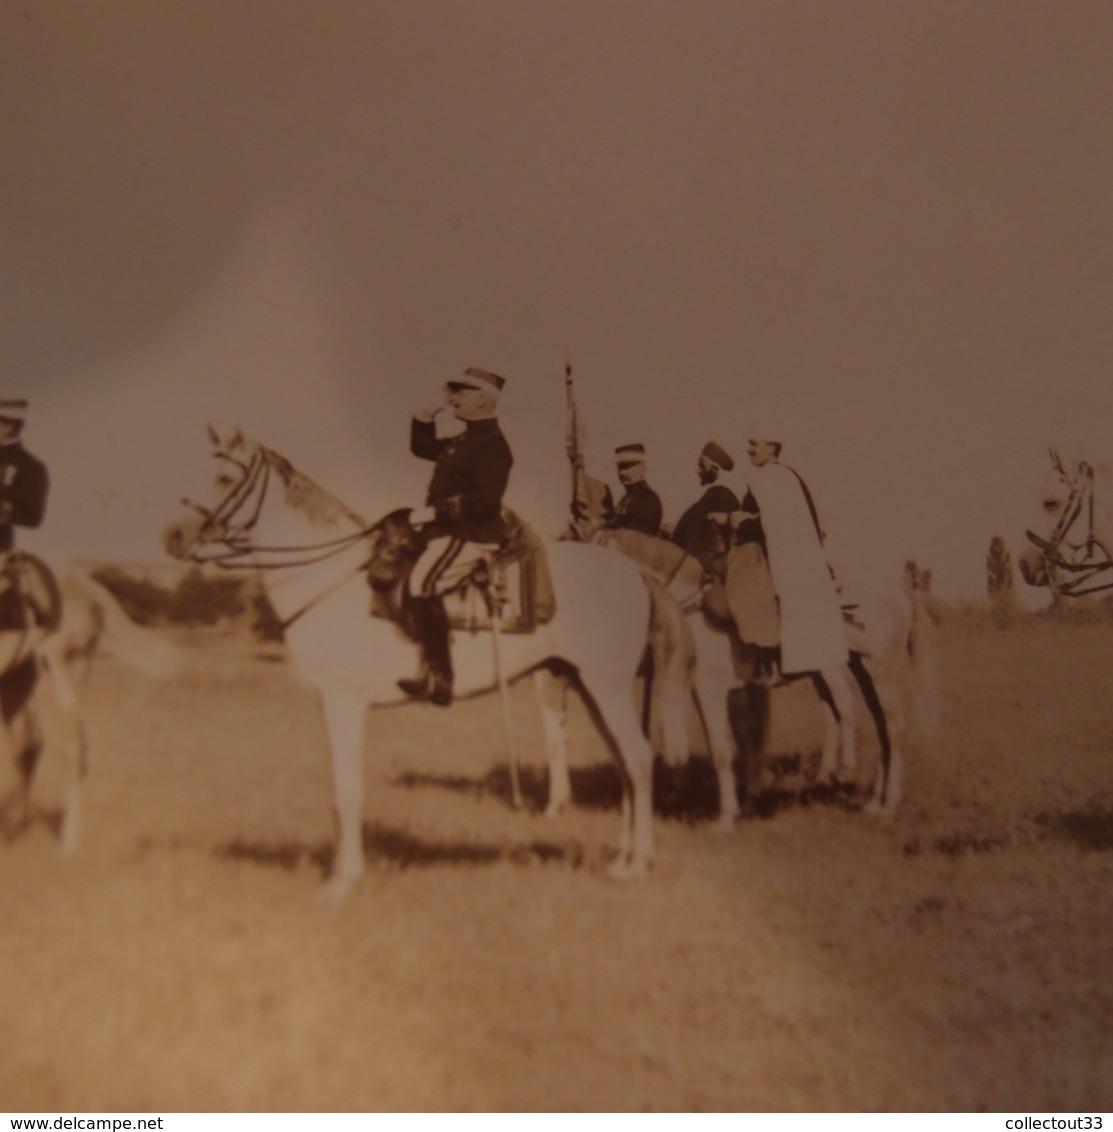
(812, 632)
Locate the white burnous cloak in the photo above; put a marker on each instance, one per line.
(813, 636)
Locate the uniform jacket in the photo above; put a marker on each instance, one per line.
(470, 478)
(813, 635)
(639, 509)
(24, 484)
(689, 527)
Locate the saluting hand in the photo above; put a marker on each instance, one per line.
(429, 413)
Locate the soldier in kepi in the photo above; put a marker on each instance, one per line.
(812, 632)
(24, 485)
(461, 520)
(696, 530)
(24, 482)
(640, 508)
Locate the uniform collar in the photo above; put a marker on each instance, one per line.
(488, 424)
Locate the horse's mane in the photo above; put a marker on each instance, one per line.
(311, 499)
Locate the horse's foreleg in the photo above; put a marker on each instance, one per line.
(75, 751)
(344, 718)
(839, 737)
(885, 710)
(552, 699)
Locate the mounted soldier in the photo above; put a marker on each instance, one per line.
(640, 508)
(697, 531)
(811, 628)
(24, 482)
(27, 587)
(461, 522)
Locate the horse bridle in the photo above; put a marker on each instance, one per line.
(1084, 571)
(218, 525)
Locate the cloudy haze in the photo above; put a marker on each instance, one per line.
(879, 229)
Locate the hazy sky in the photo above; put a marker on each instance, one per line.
(880, 229)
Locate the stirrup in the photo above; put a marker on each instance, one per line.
(435, 689)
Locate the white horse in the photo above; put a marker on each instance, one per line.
(713, 679)
(1072, 539)
(891, 658)
(310, 550)
(41, 669)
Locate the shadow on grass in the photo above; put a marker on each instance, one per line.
(401, 849)
(688, 793)
(1091, 828)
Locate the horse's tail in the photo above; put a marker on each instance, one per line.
(672, 650)
(94, 621)
(923, 699)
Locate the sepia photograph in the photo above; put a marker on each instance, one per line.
(556, 556)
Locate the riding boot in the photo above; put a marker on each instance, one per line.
(430, 625)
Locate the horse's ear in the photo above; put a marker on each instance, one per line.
(1053, 452)
(237, 440)
(214, 436)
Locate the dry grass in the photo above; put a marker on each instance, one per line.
(955, 958)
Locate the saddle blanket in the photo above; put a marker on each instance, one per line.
(517, 578)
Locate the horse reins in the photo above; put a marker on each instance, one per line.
(218, 525)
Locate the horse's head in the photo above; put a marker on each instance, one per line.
(212, 530)
(1062, 532)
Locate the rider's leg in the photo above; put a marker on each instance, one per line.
(430, 625)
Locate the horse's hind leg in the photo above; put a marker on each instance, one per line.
(552, 699)
(712, 702)
(616, 712)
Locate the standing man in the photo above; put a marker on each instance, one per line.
(640, 508)
(461, 519)
(812, 633)
(24, 482)
(718, 503)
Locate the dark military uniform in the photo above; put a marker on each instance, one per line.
(639, 509)
(690, 533)
(24, 484)
(470, 479)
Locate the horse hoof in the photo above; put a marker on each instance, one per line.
(336, 890)
(725, 824)
(554, 809)
(628, 869)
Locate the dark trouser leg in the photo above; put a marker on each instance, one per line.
(430, 628)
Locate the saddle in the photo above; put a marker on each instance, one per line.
(513, 579)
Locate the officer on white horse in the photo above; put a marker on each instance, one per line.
(461, 521)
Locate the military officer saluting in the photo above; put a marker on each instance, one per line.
(24, 482)
(462, 517)
(640, 508)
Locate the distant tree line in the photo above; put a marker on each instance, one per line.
(196, 599)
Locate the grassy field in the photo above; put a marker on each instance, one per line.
(956, 957)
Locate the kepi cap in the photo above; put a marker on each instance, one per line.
(481, 378)
(628, 454)
(718, 456)
(13, 408)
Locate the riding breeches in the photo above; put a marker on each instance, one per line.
(445, 563)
